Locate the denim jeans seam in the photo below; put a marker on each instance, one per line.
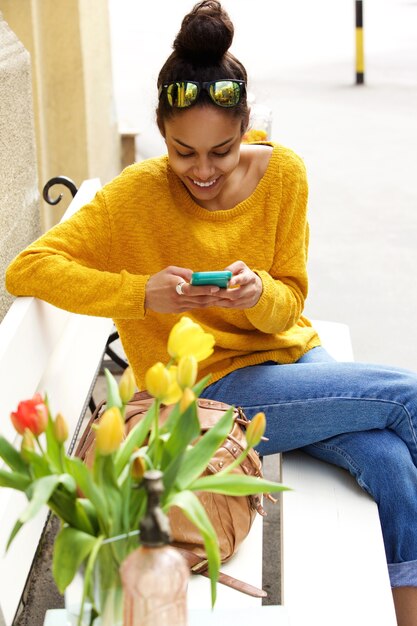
(349, 459)
(409, 420)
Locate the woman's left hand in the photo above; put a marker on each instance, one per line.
(244, 290)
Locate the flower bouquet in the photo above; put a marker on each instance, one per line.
(100, 507)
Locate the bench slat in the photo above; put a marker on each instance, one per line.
(333, 549)
(334, 567)
(245, 565)
(28, 335)
(44, 349)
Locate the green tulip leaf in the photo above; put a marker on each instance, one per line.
(42, 489)
(106, 481)
(71, 549)
(198, 457)
(39, 464)
(170, 475)
(88, 573)
(14, 480)
(113, 395)
(135, 439)
(236, 485)
(87, 512)
(18, 525)
(125, 491)
(84, 480)
(11, 457)
(184, 431)
(68, 482)
(196, 513)
(171, 420)
(137, 509)
(69, 510)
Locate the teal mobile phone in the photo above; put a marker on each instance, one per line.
(220, 279)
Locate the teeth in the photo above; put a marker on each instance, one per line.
(209, 184)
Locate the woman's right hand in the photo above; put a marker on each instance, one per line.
(161, 295)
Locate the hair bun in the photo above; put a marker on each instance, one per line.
(206, 34)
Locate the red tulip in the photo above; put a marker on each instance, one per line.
(31, 414)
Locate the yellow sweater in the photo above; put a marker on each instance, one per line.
(98, 263)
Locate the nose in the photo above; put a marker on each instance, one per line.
(203, 169)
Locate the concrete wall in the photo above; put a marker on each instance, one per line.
(75, 121)
(19, 195)
(59, 52)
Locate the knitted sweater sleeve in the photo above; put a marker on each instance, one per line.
(68, 267)
(285, 286)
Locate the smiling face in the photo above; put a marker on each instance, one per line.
(203, 145)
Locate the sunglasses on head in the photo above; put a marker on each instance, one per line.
(183, 93)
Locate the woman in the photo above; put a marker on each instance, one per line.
(213, 203)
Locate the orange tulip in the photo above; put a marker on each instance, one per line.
(138, 468)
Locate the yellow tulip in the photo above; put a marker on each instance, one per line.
(174, 391)
(127, 385)
(187, 371)
(256, 429)
(188, 397)
(60, 429)
(157, 380)
(110, 431)
(188, 338)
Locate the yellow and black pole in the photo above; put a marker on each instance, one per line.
(360, 62)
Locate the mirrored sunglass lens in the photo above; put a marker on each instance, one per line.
(225, 93)
(181, 94)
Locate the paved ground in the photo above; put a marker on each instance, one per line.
(360, 148)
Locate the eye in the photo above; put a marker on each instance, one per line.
(222, 154)
(184, 156)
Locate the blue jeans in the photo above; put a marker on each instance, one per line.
(359, 416)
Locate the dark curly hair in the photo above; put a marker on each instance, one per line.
(201, 53)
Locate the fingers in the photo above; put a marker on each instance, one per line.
(245, 288)
(242, 275)
(181, 272)
(201, 291)
(170, 291)
(161, 293)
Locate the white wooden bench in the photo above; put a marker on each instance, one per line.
(42, 348)
(333, 569)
